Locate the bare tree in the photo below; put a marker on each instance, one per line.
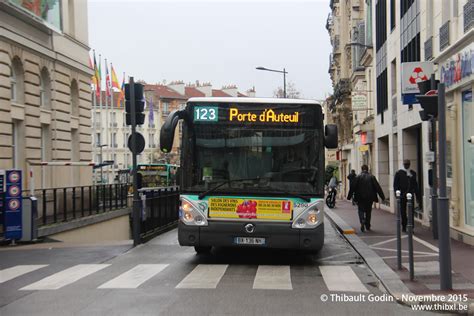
(291, 92)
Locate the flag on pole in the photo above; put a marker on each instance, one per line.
(122, 92)
(151, 115)
(97, 77)
(115, 82)
(107, 80)
(93, 79)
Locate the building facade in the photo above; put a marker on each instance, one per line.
(440, 32)
(352, 103)
(45, 91)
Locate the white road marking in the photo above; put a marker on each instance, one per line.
(395, 250)
(13, 272)
(341, 278)
(272, 278)
(414, 256)
(204, 276)
(426, 244)
(65, 277)
(134, 277)
(386, 241)
(333, 256)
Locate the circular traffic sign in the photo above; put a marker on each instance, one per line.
(14, 176)
(13, 204)
(140, 143)
(14, 190)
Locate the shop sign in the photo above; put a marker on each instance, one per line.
(458, 69)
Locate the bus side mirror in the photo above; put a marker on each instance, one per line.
(167, 130)
(330, 136)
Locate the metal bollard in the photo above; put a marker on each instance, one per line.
(410, 234)
(399, 233)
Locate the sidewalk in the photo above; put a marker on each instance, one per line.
(382, 240)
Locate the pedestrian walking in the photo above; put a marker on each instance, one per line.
(365, 189)
(405, 182)
(351, 178)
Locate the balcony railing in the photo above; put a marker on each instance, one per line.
(444, 36)
(429, 48)
(468, 15)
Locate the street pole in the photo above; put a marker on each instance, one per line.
(284, 83)
(443, 207)
(101, 160)
(136, 200)
(399, 234)
(434, 188)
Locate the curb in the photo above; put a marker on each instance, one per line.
(388, 278)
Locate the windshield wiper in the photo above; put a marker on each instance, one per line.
(203, 194)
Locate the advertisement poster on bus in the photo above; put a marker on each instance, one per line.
(223, 207)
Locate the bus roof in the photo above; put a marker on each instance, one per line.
(254, 100)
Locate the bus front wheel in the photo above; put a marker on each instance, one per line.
(202, 249)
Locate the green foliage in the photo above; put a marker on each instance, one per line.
(329, 172)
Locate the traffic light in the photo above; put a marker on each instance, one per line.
(139, 104)
(428, 99)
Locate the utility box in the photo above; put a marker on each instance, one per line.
(28, 219)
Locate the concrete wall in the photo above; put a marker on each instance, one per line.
(115, 229)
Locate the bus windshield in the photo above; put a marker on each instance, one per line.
(273, 158)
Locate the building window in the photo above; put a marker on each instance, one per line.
(125, 139)
(74, 98)
(13, 85)
(97, 139)
(17, 81)
(45, 143)
(15, 144)
(165, 107)
(393, 20)
(45, 89)
(113, 138)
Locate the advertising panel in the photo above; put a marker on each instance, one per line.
(228, 207)
(13, 205)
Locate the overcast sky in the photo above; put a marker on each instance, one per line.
(216, 41)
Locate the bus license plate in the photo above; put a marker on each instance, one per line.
(249, 241)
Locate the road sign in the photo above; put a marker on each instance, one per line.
(140, 143)
(414, 72)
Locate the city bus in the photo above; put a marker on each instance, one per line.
(157, 175)
(252, 172)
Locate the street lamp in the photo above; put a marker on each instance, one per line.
(284, 72)
(100, 163)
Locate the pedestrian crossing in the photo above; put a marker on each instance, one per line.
(203, 276)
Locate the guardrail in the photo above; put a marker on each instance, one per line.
(64, 204)
(160, 210)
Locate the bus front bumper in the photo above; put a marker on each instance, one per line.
(277, 235)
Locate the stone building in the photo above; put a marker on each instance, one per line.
(352, 103)
(440, 32)
(45, 90)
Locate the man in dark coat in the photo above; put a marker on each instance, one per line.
(365, 189)
(351, 178)
(405, 182)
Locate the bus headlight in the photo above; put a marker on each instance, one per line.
(310, 217)
(190, 215)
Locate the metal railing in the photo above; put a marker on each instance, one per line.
(57, 205)
(160, 210)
